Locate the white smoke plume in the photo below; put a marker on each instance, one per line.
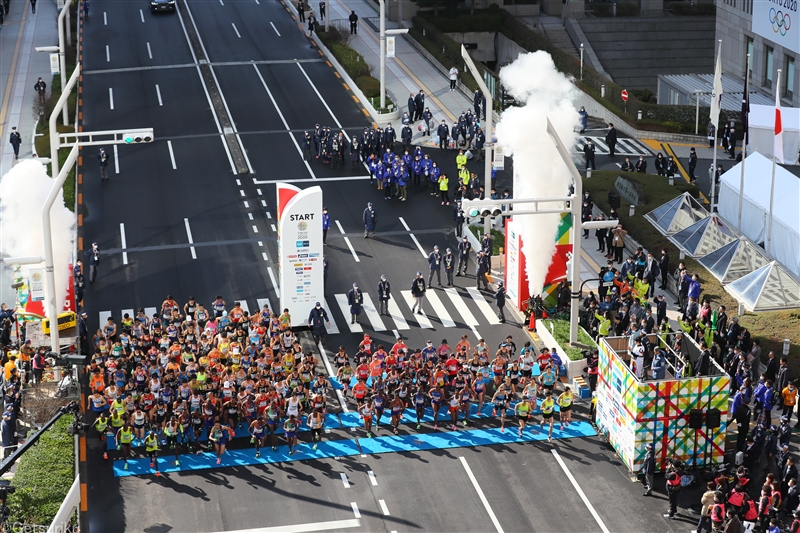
(23, 191)
(539, 171)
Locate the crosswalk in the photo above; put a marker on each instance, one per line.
(630, 147)
(450, 307)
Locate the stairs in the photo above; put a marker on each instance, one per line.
(552, 28)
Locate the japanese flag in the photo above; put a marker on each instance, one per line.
(778, 150)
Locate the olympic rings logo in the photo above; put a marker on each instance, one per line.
(781, 22)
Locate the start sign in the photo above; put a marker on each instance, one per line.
(624, 95)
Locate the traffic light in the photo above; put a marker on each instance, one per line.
(138, 136)
(479, 208)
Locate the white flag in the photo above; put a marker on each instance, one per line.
(716, 94)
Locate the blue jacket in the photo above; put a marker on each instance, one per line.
(326, 221)
(435, 173)
(659, 367)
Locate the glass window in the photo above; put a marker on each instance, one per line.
(788, 83)
(674, 97)
(750, 50)
(769, 67)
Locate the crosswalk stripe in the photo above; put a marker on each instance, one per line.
(129, 311)
(149, 312)
(461, 306)
(439, 308)
(341, 299)
(261, 302)
(331, 326)
(372, 313)
(483, 305)
(104, 316)
(422, 319)
(243, 303)
(397, 316)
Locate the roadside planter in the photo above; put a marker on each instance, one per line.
(573, 360)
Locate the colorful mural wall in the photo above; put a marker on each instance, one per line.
(633, 413)
(558, 267)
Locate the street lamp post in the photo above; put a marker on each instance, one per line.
(488, 145)
(62, 55)
(383, 33)
(581, 61)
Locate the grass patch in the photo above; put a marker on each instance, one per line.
(560, 333)
(44, 476)
(769, 327)
(498, 239)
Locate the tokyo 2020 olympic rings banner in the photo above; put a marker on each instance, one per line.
(778, 21)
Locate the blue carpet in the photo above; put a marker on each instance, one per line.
(349, 447)
(336, 384)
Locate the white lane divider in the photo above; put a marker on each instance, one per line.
(354, 505)
(141, 14)
(482, 496)
(483, 305)
(105, 19)
(255, 229)
(246, 204)
(158, 93)
(383, 507)
(263, 203)
(259, 192)
(422, 320)
(250, 216)
(274, 28)
(172, 155)
(274, 230)
(108, 55)
(239, 182)
(149, 51)
(124, 243)
(241, 192)
(347, 241)
(397, 316)
(372, 314)
(189, 236)
(344, 307)
(345, 482)
(330, 326)
(413, 238)
(466, 314)
(111, 97)
(285, 124)
(269, 215)
(116, 160)
(580, 492)
(321, 99)
(234, 26)
(265, 256)
(439, 308)
(372, 479)
(274, 282)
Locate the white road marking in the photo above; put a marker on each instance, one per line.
(397, 316)
(105, 19)
(263, 203)
(129, 311)
(255, 229)
(116, 160)
(285, 125)
(104, 316)
(239, 182)
(372, 479)
(259, 192)
(422, 319)
(234, 27)
(329, 369)
(274, 282)
(269, 215)
(383, 507)
(111, 97)
(264, 255)
(341, 300)
(396, 334)
(247, 205)
(310, 180)
(413, 238)
(305, 528)
(261, 243)
(355, 509)
(158, 93)
(439, 308)
(274, 230)
(150, 311)
(331, 326)
(241, 192)
(321, 99)
(141, 14)
(172, 155)
(124, 243)
(345, 482)
(475, 332)
(262, 302)
(149, 51)
(580, 492)
(458, 302)
(189, 236)
(257, 2)
(481, 495)
(347, 242)
(250, 215)
(108, 55)
(483, 305)
(274, 28)
(372, 314)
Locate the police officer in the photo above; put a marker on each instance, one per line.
(15, 140)
(649, 469)
(355, 152)
(389, 136)
(442, 132)
(305, 144)
(449, 260)
(588, 154)
(464, 248)
(481, 269)
(355, 298)
(418, 292)
(353, 18)
(500, 301)
(611, 139)
(486, 243)
(384, 294)
(316, 317)
(405, 137)
(435, 264)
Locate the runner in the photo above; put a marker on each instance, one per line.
(480, 390)
(548, 406)
(454, 405)
(565, 407)
(379, 404)
(420, 399)
(273, 415)
(397, 408)
(139, 419)
(365, 410)
(500, 400)
(316, 421)
(218, 436)
(465, 396)
(172, 431)
(523, 410)
(437, 397)
(124, 439)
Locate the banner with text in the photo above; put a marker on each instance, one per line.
(777, 21)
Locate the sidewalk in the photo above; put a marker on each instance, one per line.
(20, 67)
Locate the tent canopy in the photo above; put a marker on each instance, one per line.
(704, 236)
(762, 131)
(734, 260)
(768, 288)
(755, 206)
(677, 214)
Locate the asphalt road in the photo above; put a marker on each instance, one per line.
(176, 219)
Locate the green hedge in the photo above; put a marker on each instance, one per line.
(352, 62)
(458, 22)
(44, 476)
(498, 239)
(370, 86)
(560, 333)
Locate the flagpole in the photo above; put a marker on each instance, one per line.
(744, 140)
(772, 186)
(716, 131)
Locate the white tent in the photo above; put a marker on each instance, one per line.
(762, 131)
(755, 207)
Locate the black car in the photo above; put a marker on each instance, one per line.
(162, 5)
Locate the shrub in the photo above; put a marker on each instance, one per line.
(352, 62)
(370, 86)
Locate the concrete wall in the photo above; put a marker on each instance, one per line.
(484, 40)
(507, 50)
(733, 25)
(635, 50)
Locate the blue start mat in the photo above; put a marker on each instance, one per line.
(349, 447)
(336, 384)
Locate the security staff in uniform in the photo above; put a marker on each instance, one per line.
(588, 154)
(449, 260)
(316, 317)
(480, 140)
(93, 261)
(611, 139)
(389, 136)
(459, 217)
(418, 292)
(464, 248)
(355, 300)
(692, 164)
(384, 294)
(500, 301)
(305, 144)
(405, 137)
(442, 132)
(482, 269)
(435, 264)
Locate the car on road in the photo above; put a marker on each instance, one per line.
(162, 5)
